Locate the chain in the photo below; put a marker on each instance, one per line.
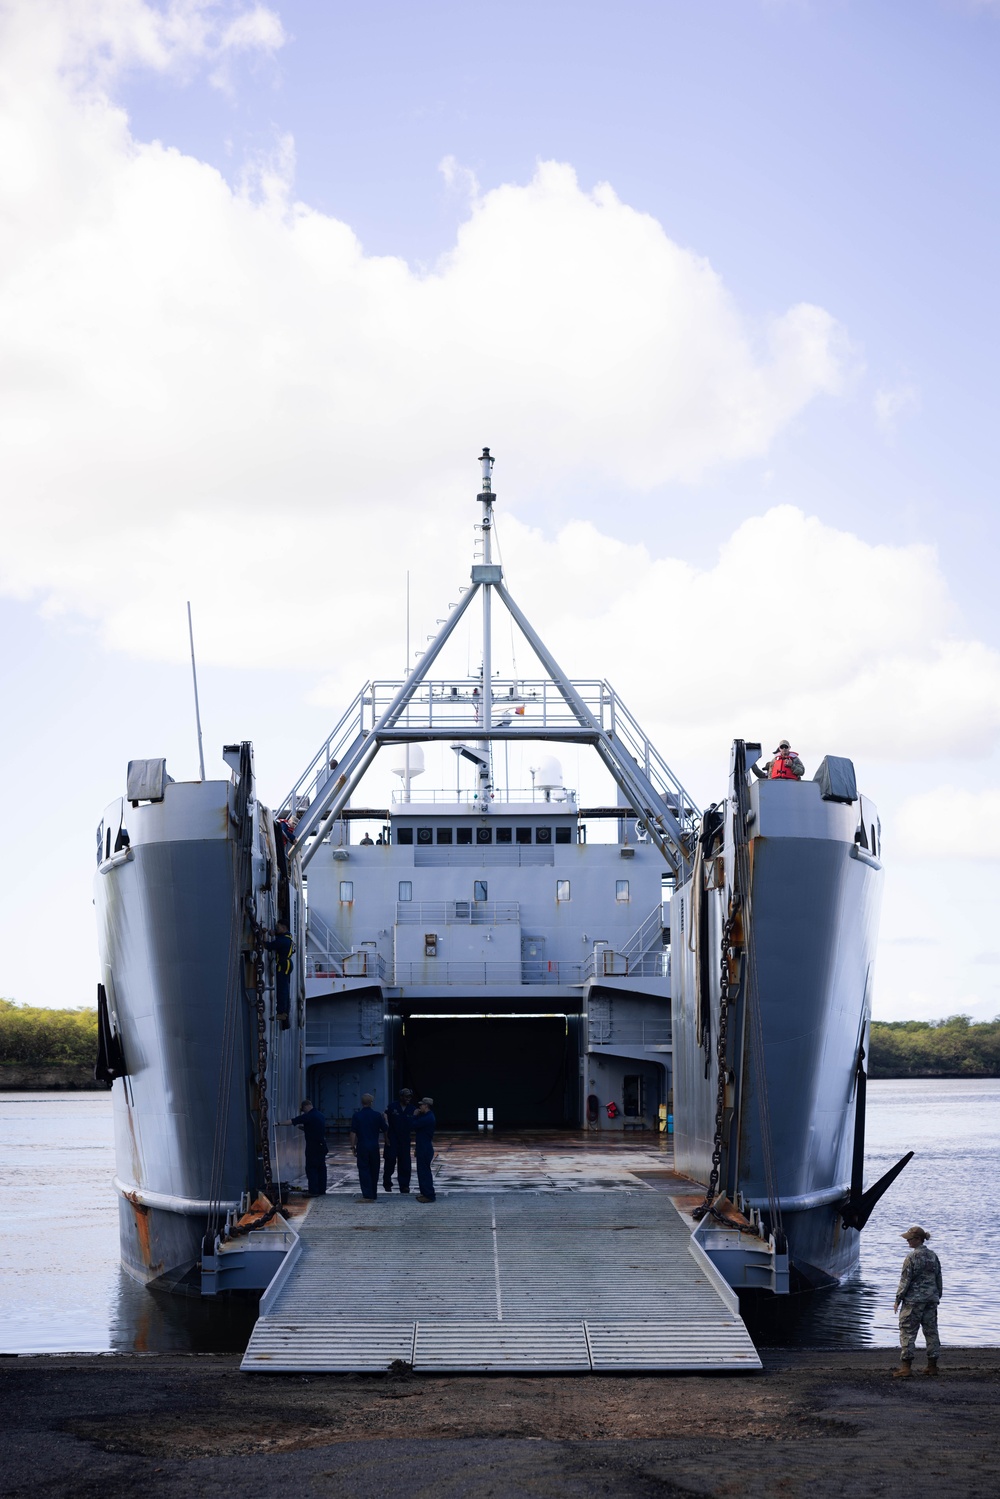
(727, 996)
(262, 1104)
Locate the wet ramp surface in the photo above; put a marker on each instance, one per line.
(529, 1281)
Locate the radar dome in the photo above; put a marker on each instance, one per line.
(548, 775)
(398, 766)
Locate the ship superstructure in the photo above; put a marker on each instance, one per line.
(485, 946)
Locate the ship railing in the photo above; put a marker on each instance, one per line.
(609, 962)
(626, 729)
(364, 964)
(458, 913)
(649, 1035)
(317, 773)
(431, 972)
(322, 937)
(528, 704)
(325, 1034)
(564, 798)
(646, 936)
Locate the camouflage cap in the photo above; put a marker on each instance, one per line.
(428, 1101)
(916, 1232)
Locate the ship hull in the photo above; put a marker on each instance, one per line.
(171, 924)
(796, 1031)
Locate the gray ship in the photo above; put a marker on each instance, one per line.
(201, 1062)
(531, 961)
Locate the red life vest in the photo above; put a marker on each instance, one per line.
(612, 1111)
(781, 768)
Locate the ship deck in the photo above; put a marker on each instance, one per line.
(542, 1253)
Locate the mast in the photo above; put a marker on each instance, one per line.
(486, 500)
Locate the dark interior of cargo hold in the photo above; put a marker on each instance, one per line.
(522, 1069)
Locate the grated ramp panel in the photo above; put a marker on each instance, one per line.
(457, 1347)
(671, 1345)
(325, 1347)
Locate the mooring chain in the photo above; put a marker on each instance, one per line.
(262, 1105)
(727, 995)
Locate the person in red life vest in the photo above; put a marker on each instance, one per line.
(613, 1111)
(785, 766)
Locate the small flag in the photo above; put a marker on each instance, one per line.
(520, 709)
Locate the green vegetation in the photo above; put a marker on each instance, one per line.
(956, 1047)
(46, 1038)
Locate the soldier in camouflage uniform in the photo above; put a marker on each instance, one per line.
(917, 1303)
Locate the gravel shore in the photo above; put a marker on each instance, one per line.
(814, 1423)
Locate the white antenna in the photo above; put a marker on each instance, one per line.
(197, 710)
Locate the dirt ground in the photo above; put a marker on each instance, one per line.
(814, 1423)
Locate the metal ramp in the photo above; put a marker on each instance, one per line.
(511, 1282)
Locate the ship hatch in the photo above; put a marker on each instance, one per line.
(525, 1067)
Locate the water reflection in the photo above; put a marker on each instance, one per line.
(63, 1289)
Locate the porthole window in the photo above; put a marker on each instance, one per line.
(562, 890)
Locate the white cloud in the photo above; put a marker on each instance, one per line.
(195, 377)
(216, 394)
(893, 402)
(949, 823)
(798, 628)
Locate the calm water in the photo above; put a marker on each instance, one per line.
(61, 1288)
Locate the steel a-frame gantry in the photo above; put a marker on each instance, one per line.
(665, 809)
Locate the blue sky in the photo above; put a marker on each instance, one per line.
(746, 391)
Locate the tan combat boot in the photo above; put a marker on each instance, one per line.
(904, 1371)
(932, 1366)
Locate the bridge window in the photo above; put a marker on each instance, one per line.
(464, 835)
(562, 889)
(543, 835)
(347, 889)
(406, 889)
(480, 891)
(505, 835)
(523, 835)
(404, 835)
(484, 835)
(621, 891)
(564, 835)
(425, 835)
(444, 835)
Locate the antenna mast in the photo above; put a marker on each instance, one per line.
(197, 710)
(486, 577)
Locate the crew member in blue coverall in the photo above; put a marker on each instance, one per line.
(313, 1125)
(283, 947)
(366, 1126)
(423, 1147)
(396, 1155)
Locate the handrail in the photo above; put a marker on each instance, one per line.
(458, 912)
